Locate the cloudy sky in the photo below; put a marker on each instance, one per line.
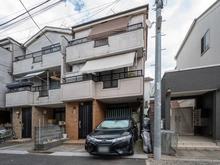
(178, 16)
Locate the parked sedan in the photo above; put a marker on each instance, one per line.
(113, 137)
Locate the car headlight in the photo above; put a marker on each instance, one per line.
(90, 138)
(128, 137)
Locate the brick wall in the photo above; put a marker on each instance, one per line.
(72, 120)
(38, 116)
(98, 112)
(17, 122)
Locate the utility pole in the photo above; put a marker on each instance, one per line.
(157, 109)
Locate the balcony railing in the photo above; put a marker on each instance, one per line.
(83, 40)
(43, 89)
(109, 80)
(37, 56)
(79, 78)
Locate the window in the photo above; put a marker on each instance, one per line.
(59, 114)
(37, 59)
(205, 42)
(101, 42)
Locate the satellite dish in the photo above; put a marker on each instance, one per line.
(149, 24)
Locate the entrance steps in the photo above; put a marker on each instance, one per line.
(196, 143)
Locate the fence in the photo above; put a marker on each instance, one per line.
(47, 137)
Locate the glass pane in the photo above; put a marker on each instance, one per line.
(207, 39)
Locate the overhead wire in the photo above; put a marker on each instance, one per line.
(27, 17)
(35, 22)
(23, 13)
(100, 10)
(96, 12)
(21, 10)
(7, 34)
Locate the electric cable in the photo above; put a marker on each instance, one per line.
(35, 22)
(49, 21)
(24, 13)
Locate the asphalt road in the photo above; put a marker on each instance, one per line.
(36, 159)
(29, 159)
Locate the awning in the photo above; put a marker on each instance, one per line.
(108, 28)
(30, 75)
(109, 63)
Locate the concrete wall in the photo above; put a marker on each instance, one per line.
(77, 91)
(190, 55)
(48, 61)
(128, 41)
(126, 87)
(54, 97)
(42, 41)
(5, 78)
(23, 98)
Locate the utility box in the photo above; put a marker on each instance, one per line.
(169, 142)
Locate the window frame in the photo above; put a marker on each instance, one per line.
(205, 42)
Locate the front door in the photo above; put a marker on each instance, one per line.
(85, 119)
(184, 121)
(26, 122)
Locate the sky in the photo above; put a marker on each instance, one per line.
(178, 16)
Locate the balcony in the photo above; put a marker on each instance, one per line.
(32, 96)
(78, 87)
(88, 86)
(46, 58)
(20, 97)
(83, 49)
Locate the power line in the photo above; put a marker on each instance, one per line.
(35, 22)
(20, 11)
(52, 20)
(24, 13)
(27, 17)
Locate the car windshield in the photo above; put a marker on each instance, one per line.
(114, 124)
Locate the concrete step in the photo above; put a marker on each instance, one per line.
(197, 143)
(198, 147)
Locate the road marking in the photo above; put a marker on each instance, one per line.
(13, 152)
(147, 162)
(11, 146)
(70, 154)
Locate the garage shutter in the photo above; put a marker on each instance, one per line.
(123, 112)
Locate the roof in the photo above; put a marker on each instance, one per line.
(193, 68)
(193, 25)
(148, 79)
(44, 30)
(9, 40)
(136, 10)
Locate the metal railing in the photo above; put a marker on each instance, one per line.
(37, 56)
(101, 42)
(42, 89)
(103, 78)
(79, 78)
(83, 40)
(77, 41)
